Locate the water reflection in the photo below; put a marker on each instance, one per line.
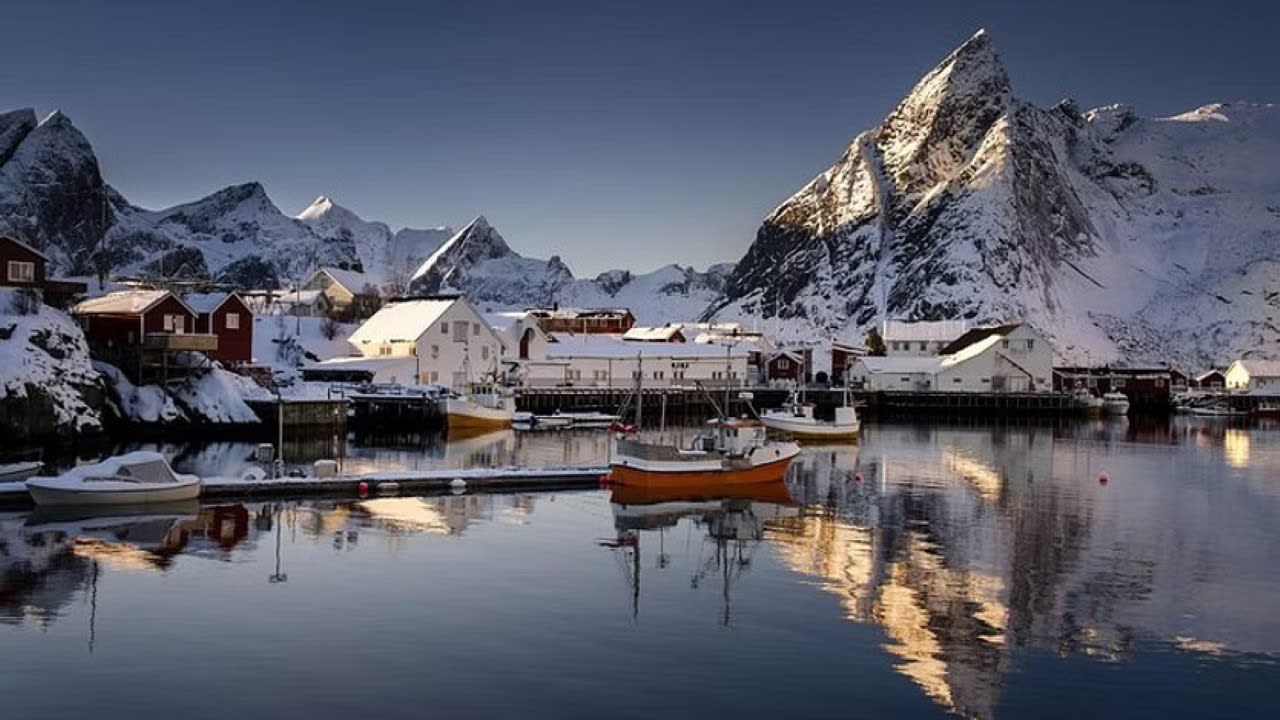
(965, 546)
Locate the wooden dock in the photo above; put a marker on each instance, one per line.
(382, 484)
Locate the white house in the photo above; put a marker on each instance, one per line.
(449, 341)
(1260, 376)
(921, 339)
(1004, 358)
(340, 286)
(598, 360)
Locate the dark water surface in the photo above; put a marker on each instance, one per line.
(977, 571)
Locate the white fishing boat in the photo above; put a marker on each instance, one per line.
(1219, 409)
(797, 419)
(1115, 403)
(137, 478)
(484, 405)
(1088, 403)
(19, 471)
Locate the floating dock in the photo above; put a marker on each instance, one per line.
(382, 483)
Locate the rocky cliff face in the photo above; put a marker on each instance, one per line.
(967, 202)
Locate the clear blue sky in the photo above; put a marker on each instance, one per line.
(616, 135)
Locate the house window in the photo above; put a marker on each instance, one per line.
(384, 350)
(460, 331)
(22, 271)
(784, 364)
(233, 321)
(435, 351)
(444, 328)
(986, 380)
(1117, 384)
(434, 376)
(475, 329)
(904, 379)
(484, 352)
(1031, 344)
(1004, 344)
(955, 380)
(176, 324)
(924, 347)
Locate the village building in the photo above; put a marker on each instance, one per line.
(1210, 380)
(445, 339)
(1260, 377)
(520, 333)
(142, 330)
(299, 303)
(22, 266)
(609, 361)
(1146, 387)
(789, 366)
(842, 358)
(1003, 358)
(229, 317)
(921, 339)
(614, 321)
(343, 287)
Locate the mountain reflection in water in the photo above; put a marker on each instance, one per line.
(963, 555)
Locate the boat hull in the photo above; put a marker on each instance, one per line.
(812, 430)
(17, 472)
(700, 475)
(148, 495)
(463, 414)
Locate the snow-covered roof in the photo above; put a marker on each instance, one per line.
(402, 320)
(357, 363)
(924, 331)
(574, 313)
(205, 303)
(653, 334)
(1260, 368)
(124, 302)
(613, 346)
(505, 321)
(899, 365)
(298, 297)
(970, 351)
(349, 279)
(1205, 375)
(24, 246)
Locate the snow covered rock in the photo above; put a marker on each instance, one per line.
(1119, 237)
(47, 384)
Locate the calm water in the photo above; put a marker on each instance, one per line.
(975, 571)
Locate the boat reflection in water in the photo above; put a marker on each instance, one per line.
(732, 516)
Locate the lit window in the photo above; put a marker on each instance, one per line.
(233, 321)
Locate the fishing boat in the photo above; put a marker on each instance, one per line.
(1218, 409)
(1269, 411)
(731, 451)
(484, 405)
(137, 478)
(19, 471)
(1088, 403)
(797, 419)
(1115, 403)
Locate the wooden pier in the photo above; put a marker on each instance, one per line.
(403, 413)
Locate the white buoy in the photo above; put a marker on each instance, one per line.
(458, 484)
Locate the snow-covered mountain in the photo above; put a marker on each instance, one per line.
(1118, 236)
(478, 262)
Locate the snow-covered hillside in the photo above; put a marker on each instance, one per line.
(1120, 237)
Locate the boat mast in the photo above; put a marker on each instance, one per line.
(639, 389)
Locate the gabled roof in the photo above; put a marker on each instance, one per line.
(407, 320)
(1260, 368)
(24, 246)
(1204, 375)
(127, 302)
(352, 280)
(207, 303)
(666, 333)
(975, 335)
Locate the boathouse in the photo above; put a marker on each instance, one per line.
(608, 361)
(615, 321)
(995, 359)
(228, 317)
(143, 332)
(1211, 380)
(1146, 387)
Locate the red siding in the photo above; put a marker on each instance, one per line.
(110, 331)
(234, 345)
(153, 321)
(10, 250)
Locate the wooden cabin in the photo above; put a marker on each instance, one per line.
(608, 321)
(228, 317)
(22, 266)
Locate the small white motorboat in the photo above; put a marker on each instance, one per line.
(19, 471)
(1115, 403)
(797, 419)
(137, 478)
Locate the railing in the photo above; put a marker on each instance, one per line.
(621, 383)
(180, 342)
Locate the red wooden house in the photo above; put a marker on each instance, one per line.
(789, 364)
(610, 321)
(228, 317)
(22, 266)
(151, 319)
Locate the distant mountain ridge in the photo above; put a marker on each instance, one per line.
(1119, 236)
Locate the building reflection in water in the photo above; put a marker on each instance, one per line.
(964, 546)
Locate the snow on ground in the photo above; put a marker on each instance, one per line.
(208, 395)
(287, 343)
(146, 404)
(45, 352)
